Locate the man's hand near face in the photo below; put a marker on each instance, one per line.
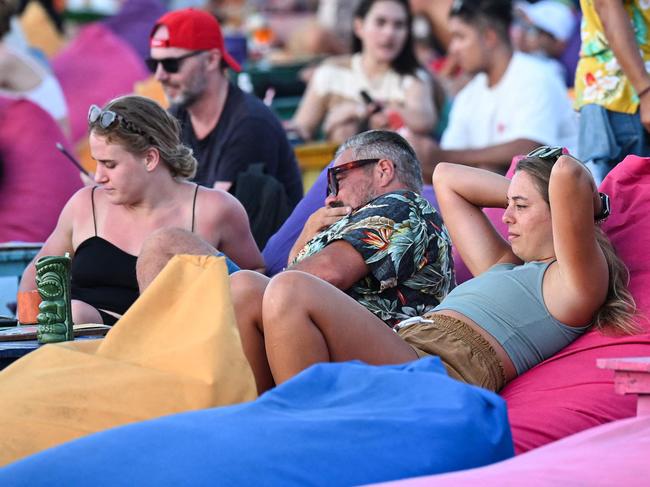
(318, 221)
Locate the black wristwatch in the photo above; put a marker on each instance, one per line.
(604, 208)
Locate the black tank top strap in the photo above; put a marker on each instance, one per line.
(92, 201)
(196, 191)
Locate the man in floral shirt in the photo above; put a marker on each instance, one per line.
(612, 83)
(405, 249)
(376, 238)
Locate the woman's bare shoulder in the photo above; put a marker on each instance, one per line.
(82, 199)
(215, 204)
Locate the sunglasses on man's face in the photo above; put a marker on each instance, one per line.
(333, 172)
(546, 152)
(170, 64)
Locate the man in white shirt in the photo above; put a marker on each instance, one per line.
(513, 104)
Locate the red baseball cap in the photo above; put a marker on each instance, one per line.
(193, 29)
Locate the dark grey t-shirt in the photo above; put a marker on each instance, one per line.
(247, 132)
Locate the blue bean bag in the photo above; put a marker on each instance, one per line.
(333, 424)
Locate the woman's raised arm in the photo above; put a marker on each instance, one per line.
(579, 287)
(462, 192)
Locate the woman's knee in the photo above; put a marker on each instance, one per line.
(247, 288)
(289, 290)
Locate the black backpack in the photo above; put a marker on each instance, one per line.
(265, 201)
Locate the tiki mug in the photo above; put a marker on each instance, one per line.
(55, 313)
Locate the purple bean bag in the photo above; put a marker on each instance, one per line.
(134, 21)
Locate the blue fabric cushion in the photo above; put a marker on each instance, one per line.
(333, 424)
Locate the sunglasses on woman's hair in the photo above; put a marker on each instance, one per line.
(546, 152)
(332, 172)
(171, 65)
(108, 118)
(104, 118)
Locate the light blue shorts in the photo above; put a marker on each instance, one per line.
(606, 137)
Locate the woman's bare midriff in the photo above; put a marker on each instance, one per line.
(508, 366)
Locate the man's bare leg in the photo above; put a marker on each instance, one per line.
(307, 321)
(247, 289)
(161, 246)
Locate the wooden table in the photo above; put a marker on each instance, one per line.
(13, 350)
(631, 376)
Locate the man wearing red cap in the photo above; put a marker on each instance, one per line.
(227, 128)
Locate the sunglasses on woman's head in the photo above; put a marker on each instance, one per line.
(546, 152)
(108, 118)
(105, 118)
(171, 65)
(332, 172)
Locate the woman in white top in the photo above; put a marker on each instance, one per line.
(384, 67)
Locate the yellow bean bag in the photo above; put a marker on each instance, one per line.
(176, 349)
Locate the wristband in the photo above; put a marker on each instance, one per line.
(643, 91)
(605, 208)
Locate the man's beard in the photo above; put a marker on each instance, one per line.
(192, 93)
(367, 193)
(185, 99)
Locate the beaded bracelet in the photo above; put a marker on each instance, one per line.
(643, 91)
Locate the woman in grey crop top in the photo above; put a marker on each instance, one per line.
(554, 277)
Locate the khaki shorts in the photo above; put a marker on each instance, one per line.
(467, 356)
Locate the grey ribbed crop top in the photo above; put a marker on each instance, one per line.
(506, 301)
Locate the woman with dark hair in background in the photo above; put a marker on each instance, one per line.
(380, 86)
(141, 189)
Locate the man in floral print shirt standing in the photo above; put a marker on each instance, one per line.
(612, 82)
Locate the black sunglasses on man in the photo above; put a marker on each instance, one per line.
(171, 65)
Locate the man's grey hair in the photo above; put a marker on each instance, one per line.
(384, 144)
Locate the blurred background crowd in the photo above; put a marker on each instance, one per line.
(326, 68)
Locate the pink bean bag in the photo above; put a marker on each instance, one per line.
(36, 180)
(611, 454)
(567, 393)
(94, 68)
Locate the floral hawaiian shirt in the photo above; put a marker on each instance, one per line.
(407, 249)
(599, 77)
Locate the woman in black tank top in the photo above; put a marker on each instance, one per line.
(140, 187)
